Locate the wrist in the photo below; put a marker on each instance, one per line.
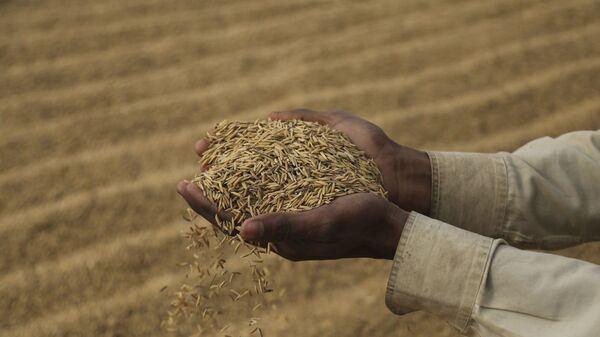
(387, 240)
(412, 172)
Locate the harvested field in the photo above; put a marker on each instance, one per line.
(101, 102)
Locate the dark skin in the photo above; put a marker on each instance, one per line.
(357, 225)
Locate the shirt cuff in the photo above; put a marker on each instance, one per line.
(470, 190)
(438, 268)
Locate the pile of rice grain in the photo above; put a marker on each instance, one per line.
(255, 168)
(272, 166)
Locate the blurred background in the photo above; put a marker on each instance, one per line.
(101, 103)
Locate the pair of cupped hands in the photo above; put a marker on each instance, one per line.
(356, 225)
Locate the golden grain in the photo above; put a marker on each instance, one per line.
(306, 165)
(254, 168)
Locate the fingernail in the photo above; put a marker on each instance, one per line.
(191, 187)
(252, 230)
(182, 186)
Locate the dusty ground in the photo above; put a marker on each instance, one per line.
(100, 103)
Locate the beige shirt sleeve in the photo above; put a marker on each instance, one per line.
(483, 287)
(544, 195)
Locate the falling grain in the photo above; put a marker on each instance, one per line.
(254, 168)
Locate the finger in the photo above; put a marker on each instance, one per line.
(199, 203)
(181, 187)
(197, 200)
(330, 118)
(201, 146)
(295, 251)
(182, 190)
(303, 251)
(286, 250)
(309, 225)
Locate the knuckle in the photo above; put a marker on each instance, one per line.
(340, 113)
(300, 114)
(327, 228)
(282, 227)
(302, 110)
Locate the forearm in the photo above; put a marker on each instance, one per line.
(534, 294)
(437, 268)
(484, 287)
(470, 191)
(544, 195)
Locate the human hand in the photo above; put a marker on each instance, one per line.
(356, 225)
(406, 172)
(406, 176)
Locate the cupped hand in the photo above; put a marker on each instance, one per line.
(356, 225)
(406, 172)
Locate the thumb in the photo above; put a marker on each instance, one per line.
(276, 227)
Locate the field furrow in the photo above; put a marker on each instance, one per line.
(211, 101)
(32, 78)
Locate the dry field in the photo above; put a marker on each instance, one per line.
(101, 101)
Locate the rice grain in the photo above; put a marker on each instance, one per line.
(255, 168)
